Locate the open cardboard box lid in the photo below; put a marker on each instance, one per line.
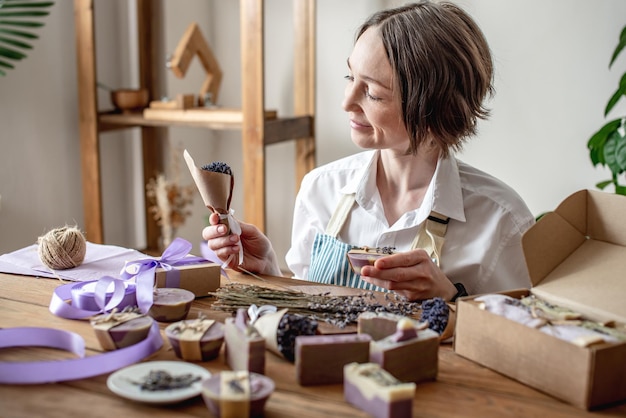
(576, 255)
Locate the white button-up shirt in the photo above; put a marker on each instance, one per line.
(482, 246)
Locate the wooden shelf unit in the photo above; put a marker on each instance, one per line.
(257, 131)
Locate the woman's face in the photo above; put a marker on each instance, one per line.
(372, 99)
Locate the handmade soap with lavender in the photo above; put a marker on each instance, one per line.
(373, 390)
(360, 257)
(320, 358)
(280, 330)
(237, 394)
(379, 325)
(121, 329)
(171, 304)
(411, 354)
(196, 339)
(244, 346)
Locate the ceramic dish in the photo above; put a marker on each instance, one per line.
(126, 382)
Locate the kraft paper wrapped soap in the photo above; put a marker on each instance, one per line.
(121, 329)
(237, 394)
(197, 339)
(245, 347)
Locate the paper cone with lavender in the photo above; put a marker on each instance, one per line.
(215, 182)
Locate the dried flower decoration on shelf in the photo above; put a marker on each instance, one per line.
(169, 203)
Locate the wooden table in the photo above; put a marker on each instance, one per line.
(462, 388)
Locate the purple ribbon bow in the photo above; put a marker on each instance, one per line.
(176, 254)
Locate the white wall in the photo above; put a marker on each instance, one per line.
(552, 84)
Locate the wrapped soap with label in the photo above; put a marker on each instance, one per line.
(196, 339)
(244, 346)
(121, 329)
(237, 394)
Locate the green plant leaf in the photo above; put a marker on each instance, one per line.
(15, 42)
(602, 185)
(14, 4)
(27, 13)
(11, 53)
(17, 18)
(18, 33)
(611, 152)
(597, 142)
(620, 189)
(6, 64)
(621, 91)
(620, 46)
(25, 24)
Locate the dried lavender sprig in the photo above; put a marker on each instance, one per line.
(336, 310)
(218, 167)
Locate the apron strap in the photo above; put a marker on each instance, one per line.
(432, 235)
(340, 215)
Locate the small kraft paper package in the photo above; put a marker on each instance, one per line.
(576, 257)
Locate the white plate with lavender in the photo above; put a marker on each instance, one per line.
(158, 382)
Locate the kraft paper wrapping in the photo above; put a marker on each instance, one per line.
(216, 189)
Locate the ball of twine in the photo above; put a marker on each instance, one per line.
(62, 248)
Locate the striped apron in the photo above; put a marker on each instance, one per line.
(329, 260)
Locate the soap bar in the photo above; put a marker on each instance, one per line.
(381, 325)
(121, 329)
(365, 257)
(376, 392)
(171, 304)
(196, 340)
(237, 394)
(244, 346)
(410, 354)
(320, 358)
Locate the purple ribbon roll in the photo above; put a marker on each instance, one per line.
(84, 296)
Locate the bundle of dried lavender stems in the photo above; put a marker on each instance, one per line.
(339, 311)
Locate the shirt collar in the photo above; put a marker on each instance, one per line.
(444, 195)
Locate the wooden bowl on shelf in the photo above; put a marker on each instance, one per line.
(130, 100)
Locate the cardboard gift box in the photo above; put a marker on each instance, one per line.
(576, 257)
(197, 278)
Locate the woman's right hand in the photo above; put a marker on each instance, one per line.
(259, 256)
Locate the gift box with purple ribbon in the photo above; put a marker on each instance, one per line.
(175, 268)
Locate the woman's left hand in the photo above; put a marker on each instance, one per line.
(412, 274)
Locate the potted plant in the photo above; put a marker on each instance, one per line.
(17, 17)
(608, 145)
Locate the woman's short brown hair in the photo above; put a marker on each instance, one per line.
(443, 68)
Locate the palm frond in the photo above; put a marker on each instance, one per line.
(17, 19)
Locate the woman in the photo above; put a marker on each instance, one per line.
(417, 79)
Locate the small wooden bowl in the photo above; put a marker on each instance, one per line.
(130, 100)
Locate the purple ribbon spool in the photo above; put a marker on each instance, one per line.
(84, 296)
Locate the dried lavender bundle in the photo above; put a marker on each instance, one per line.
(436, 312)
(290, 327)
(335, 310)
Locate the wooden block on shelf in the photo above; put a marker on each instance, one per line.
(182, 101)
(201, 114)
